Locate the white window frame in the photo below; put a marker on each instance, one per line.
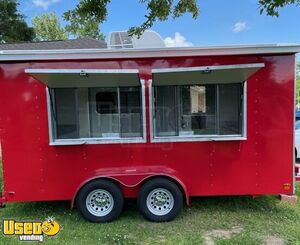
(81, 141)
(192, 138)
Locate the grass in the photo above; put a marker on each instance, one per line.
(257, 220)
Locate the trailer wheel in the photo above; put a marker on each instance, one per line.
(100, 201)
(160, 200)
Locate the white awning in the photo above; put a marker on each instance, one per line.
(74, 78)
(205, 74)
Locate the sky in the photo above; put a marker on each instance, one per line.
(220, 22)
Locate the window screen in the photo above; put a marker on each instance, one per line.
(166, 111)
(191, 110)
(104, 112)
(198, 114)
(65, 114)
(230, 109)
(131, 112)
(96, 112)
(107, 102)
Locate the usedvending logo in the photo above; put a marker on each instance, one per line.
(31, 231)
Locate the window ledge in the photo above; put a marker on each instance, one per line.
(96, 141)
(67, 142)
(197, 139)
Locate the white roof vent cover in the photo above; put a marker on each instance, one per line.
(121, 39)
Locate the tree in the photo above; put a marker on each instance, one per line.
(13, 27)
(95, 11)
(86, 18)
(83, 27)
(47, 28)
(271, 7)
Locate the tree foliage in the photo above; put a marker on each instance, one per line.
(47, 28)
(271, 7)
(13, 27)
(95, 11)
(85, 27)
(85, 19)
(162, 9)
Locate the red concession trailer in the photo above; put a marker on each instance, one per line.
(95, 126)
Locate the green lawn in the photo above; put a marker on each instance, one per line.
(222, 220)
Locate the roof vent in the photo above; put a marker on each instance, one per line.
(121, 39)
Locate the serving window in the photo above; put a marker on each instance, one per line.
(200, 103)
(94, 106)
(96, 112)
(195, 110)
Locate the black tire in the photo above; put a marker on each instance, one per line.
(149, 189)
(100, 189)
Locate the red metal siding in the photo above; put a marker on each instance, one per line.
(262, 164)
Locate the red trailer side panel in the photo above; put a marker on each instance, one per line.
(263, 164)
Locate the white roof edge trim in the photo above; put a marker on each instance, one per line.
(69, 54)
(78, 71)
(204, 68)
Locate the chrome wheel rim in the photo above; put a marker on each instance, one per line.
(160, 201)
(99, 202)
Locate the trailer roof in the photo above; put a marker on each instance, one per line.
(79, 43)
(105, 53)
